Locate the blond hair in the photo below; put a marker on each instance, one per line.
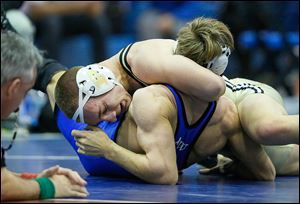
(201, 40)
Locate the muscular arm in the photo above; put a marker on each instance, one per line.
(157, 164)
(155, 136)
(15, 188)
(253, 162)
(179, 71)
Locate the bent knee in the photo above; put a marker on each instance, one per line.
(267, 130)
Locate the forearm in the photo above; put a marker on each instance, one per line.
(196, 80)
(137, 164)
(14, 187)
(194, 85)
(186, 76)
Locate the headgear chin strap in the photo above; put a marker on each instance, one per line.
(219, 63)
(92, 80)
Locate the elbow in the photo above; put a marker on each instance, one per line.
(171, 178)
(168, 179)
(216, 89)
(220, 88)
(165, 177)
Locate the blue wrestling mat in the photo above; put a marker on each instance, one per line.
(40, 151)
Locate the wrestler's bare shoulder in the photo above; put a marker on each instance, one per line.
(226, 116)
(153, 45)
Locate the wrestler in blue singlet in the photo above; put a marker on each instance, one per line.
(185, 135)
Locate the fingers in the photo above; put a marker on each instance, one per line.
(90, 153)
(79, 134)
(93, 128)
(80, 189)
(79, 194)
(53, 170)
(49, 172)
(72, 175)
(86, 147)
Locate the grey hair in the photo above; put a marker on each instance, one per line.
(19, 57)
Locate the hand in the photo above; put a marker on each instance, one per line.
(94, 142)
(221, 168)
(57, 170)
(65, 188)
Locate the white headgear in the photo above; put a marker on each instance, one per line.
(92, 80)
(219, 63)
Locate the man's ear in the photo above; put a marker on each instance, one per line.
(14, 87)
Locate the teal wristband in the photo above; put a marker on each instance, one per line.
(47, 189)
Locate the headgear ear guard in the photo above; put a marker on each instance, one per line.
(219, 63)
(92, 80)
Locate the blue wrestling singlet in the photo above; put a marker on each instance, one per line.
(95, 166)
(185, 137)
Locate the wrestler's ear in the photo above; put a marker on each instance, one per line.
(13, 88)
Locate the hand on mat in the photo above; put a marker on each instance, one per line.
(221, 168)
(64, 187)
(92, 141)
(57, 170)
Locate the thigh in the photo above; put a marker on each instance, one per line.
(257, 109)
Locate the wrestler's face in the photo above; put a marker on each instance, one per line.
(107, 106)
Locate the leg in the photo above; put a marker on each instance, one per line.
(285, 159)
(267, 122)
(252, 161)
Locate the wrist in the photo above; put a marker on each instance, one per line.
(47, 189)
(110, 151)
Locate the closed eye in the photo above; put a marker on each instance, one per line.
(103, 111)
